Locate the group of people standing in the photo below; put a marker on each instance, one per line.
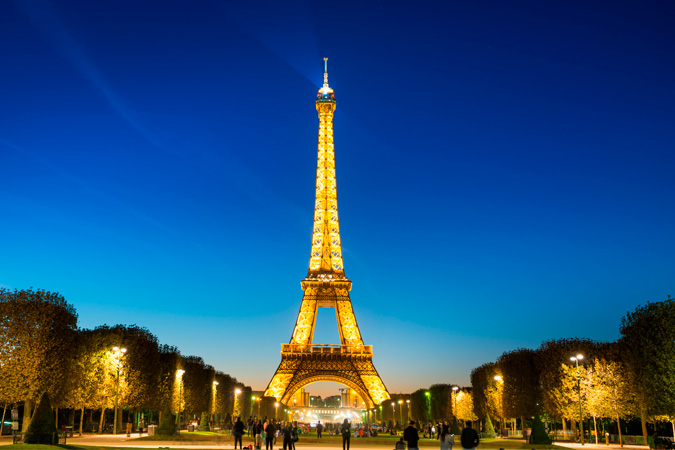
(469, 438)
(268, 430)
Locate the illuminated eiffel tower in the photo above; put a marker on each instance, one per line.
(326, 286)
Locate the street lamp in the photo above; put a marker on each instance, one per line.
(408, 408)
(454, 394)
(236, 402)
(400, 410)
(576, 359)
(118, 352)
(393, 412)
(179, 374)
(276, 407)
(428, 395)
(252, 403)
(215, 398)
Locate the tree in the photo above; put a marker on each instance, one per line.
(197, 382)
(42, 428)
(418, 405)
(522, 389)
(204, 423)
(539, 435)
(441, 401)
(465, 405)
(482, 378)
(608, 392)
(648, 341)
(489, 430)
(37, 331)
(170, 362)
(167, 426)
(558, 384)
(223, 398)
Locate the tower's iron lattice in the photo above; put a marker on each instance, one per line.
(351, 362)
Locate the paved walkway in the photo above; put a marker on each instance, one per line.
(121, 440)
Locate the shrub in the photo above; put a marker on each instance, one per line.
(539, 435)
(42, 427)
(167, 426)
(489, 430)
(204, 423)
(454, 427)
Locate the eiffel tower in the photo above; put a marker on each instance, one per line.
(302, 362)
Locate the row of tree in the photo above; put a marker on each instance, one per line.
(43, 350)
(633, 376)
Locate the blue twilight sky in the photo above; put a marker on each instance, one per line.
(505, 170)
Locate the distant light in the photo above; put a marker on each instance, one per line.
(215, 383)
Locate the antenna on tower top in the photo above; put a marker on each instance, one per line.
(325, 71)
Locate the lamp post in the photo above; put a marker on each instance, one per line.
(236, 402)
(276, 408)
(215, 398)
(252, 403)
(428, 395)
(454, 407)
(180, 373)
(118, 352)
(400, 410)
(500, 381)
(576, 359)
(393, 412)
(408, 408)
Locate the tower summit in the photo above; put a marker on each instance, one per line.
(326, 286)
(325, 261)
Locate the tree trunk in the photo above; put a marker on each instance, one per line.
(618, 423)
(643, 419)
(81, 420)
(100, 424)
(4, 411)
(672, 422)
(595, 428)
(71, 418)
(27, 414)
(56, 417)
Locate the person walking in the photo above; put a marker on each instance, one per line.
(345, 429)
(257, 433)
(411, 436)
(469, 438)
(238, 430)
(294, 433)
(446, 438)
(286, 433)
(270, 430)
